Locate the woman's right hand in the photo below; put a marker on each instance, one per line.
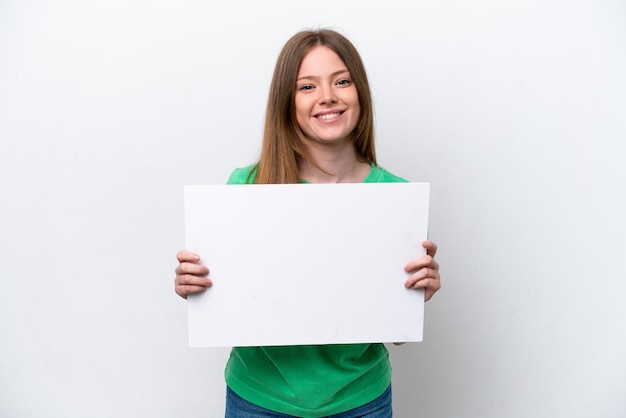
(191, 277)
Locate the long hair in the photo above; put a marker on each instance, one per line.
(283, 145)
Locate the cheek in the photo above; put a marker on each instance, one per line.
(302, 111)
(353, 100)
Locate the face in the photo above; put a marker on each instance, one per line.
(327, 102)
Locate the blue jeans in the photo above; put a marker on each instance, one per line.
(237, 407)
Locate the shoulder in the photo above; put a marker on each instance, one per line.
(242, 175)
(380, 175)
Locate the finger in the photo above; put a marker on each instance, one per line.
(192, 280)
(420, 278)
(187, 256)
(186, 290)
(187, 284)
(430, 286)
(431, 248)
(420, 262)
(191, 268)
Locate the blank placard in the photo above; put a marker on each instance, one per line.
(296, 264)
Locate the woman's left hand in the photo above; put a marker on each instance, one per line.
(424, 271)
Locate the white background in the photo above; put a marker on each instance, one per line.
(515, 112)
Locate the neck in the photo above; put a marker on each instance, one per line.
(339, 164)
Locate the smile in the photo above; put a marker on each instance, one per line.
(328, 116)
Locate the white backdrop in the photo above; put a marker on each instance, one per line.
(514, 111)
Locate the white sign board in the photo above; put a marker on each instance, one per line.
(298, 264)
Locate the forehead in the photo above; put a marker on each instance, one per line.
(320, 60)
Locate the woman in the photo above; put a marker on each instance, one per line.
(318, 129)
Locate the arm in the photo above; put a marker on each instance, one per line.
(191, 277)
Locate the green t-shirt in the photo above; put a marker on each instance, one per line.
(311, 380)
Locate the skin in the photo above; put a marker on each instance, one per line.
(326, 101)
(191, 277)
(327, 110)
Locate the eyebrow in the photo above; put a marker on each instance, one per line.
(336, 73)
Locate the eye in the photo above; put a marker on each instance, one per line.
(344, 82)
(305, 87)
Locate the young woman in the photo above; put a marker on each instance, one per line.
(318, 129)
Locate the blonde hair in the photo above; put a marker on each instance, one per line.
(283, 145)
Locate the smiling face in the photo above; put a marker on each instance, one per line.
(326, 101)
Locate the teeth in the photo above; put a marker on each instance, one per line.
(329, 116)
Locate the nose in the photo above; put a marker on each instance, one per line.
(329, 100)
(328, 97)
